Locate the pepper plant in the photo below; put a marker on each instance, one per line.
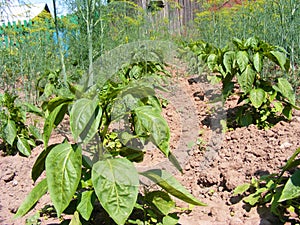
(16, 135)
(280, 190)
(97, 165)
(262, 98)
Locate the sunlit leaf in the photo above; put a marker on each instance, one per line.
(49, 90)
(23, 146)
(63, 169)
(239, 43)
(214, 79)
(55, 102)
(242, 60)
(35, 132)
(212, 61)
(228, 60)
(75, 219)
(148, 120)
(258, 62)
(286, 90)
(54, 118)
(10, 132)
(36, 193)
(257, 97)
(254, 198)
(33, 109)
(85, 206)
(171, 219)
(171, 185)
(246, 79)
(162, 201)
(278, 106)
(251, 42)
(85, 118)
(291, 189)
(280, 59)
(116, 185)
(241, 189)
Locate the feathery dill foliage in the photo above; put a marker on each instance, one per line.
(27, 51)
(30, 55)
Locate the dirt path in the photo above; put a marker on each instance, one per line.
(214, 163)
(240, 155)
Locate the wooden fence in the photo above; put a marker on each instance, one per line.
(180, 13)
(177, 13)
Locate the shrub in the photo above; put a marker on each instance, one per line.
(263, 98)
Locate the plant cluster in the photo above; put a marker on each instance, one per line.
(280, 191)
(51, 84)
(272, 21)
(27, 54)
(97, 167)
(262, 99)
(14, 132)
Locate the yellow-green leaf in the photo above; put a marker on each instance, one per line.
(246, 79)
(85, 118)
(116, 184)
(257, 97)
(85, 206)
(75, 219)
(148, 120)
(63, 169)
(54, 118)
(10, 132)
(36, 193)
(291, 189)
(171, 185)
(242, 59)
(257, 62)
(23, 146)
(286, 90)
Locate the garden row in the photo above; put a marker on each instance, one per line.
(97, 165)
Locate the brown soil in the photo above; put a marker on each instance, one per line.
(214, 163)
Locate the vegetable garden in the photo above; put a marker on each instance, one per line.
(85, 96)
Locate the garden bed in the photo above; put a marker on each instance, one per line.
(213, 163)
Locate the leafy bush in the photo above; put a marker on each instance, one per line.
(49, 84)
(272, 21)
(263, 98)
(16, 135)
(281, 190)
(97, 166)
